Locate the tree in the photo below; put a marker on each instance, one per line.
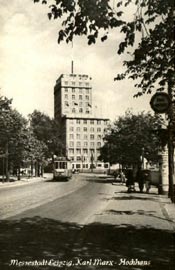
(46, 130)
(129, 136)
(151, 60)
(12, 126)
(35, 153)
(148, 36)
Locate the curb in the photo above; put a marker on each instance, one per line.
(21, 182)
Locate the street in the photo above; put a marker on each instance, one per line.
(86, 223)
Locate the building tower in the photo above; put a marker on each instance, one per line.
(81, 132)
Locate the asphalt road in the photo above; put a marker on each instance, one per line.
(73, 201)
(86, 224)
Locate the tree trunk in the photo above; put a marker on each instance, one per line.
(19, 174)
(7, 163)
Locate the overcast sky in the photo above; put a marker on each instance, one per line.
(31, 62)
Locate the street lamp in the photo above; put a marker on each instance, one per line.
(92, 160)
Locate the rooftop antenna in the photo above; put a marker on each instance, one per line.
(72, 67)
(72, 60)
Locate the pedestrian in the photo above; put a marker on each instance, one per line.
(130, 181)
(147, 180)
(140, 179)
(122, 177)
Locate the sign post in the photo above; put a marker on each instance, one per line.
(160, 102)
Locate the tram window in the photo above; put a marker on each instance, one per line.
(56, 165)
(61, 165)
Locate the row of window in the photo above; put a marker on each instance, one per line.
(75, 83)
(85, 129)
(73, 97)
(83, 151)
(85, 144)
(85, 121)
(80, 110)
(75, 90)
(85, 136)
(79, 104)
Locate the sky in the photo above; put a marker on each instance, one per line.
(32, 61)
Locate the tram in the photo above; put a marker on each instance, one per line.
(62, 169)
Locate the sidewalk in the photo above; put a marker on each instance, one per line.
(138, 209)
(23, 181)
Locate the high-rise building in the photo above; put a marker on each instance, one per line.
(81, 132)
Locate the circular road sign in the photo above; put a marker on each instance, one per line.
(160, 102)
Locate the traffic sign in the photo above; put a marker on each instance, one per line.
(160, 102)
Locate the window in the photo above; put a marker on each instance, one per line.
(73, 90)
(71, 144)
(85, 144)
(99, 144)
(66, 90)
(85, 151)
(85, 129)
(78, 144)
(81, 104)
(78, 151)
(98, 122)
(80, 91)
(72, 158)
(66, 83)
(87, 110)
(73, 97)
(78, 121)
(66, 96)
(92, 129)
(85, 137)
(66, 103)
(92, 144)
(73, 83)
(98, 152)
(71, 151)
(73, 110)
(78, 129)
(71, 121)
(80, 97)
(78, 136)
(92, 136)
(71, 128)
(98, 129)
(78, 158)
(99, 137)
(84, 121)
(71, 136)
(81, 110)
(91, 121)
(87, 84)
(78, 166)
(87, 97)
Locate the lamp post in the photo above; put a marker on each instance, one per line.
(142, 159)
(92, 160)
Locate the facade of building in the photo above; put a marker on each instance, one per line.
(80, 131)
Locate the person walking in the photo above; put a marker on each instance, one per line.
(130, 181)
(140, 179)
